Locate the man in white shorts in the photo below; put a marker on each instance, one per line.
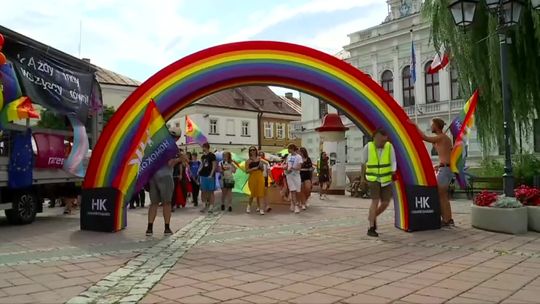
(294, 182)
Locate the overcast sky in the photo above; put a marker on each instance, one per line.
(139, 37)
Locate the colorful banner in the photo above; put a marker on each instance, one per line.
(51, 82)
(74, 162)
(50, 151)
(460, 128)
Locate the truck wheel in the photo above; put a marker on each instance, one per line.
(24, 209)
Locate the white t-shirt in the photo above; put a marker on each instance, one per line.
(294, 161)
(364, 158)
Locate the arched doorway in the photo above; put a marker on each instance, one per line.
(280, 64)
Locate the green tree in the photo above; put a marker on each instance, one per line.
(108, 112)
(51, 120)
(475, 54)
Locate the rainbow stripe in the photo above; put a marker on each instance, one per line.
(268, 63)
(20, 108)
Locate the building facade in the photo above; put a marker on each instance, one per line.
(235, 119)
(384, 53)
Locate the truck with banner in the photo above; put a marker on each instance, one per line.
(36, 162)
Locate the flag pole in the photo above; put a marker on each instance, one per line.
(413, 62)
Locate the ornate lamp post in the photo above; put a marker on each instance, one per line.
(508, 13)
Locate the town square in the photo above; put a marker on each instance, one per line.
(286, 152)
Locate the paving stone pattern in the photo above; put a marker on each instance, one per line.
(318, 256)
(130, 283)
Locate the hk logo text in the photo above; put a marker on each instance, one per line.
(99, 204)
(422, 202)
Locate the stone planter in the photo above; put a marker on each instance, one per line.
(533, 213)
(507, 220)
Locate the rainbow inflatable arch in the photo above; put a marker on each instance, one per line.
(279, 64)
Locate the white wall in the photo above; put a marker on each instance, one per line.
(201, 115)
(115, 95)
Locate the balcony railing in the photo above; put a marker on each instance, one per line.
(439, 108)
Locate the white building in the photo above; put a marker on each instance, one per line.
(384, 52)
(235, 119)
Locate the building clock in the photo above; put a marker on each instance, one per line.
(406, 8)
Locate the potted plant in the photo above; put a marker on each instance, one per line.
(530, 197)
(498, 213)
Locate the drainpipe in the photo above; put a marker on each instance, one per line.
(259, 130)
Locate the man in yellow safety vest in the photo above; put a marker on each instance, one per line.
(378, 168)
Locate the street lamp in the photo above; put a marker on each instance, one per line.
(463, 11)
(508, 13)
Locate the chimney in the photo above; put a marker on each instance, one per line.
(289, 95)
(86, 60)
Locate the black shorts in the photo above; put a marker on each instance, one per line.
(305, 176)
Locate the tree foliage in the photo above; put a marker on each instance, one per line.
(108, 112)
(51, 120)
(475, 54)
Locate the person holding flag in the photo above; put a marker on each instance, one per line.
(460, 128)
(443, 145)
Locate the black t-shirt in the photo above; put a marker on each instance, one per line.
(206, 164)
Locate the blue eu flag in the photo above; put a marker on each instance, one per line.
(20, 161)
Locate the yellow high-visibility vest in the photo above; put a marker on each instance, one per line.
(379, 169)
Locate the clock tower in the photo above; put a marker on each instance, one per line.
(402, 8)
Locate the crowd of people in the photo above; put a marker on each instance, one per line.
(181, 178)
(179, 182)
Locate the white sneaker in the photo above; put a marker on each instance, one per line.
(291, 208)
(257, 210)
(248, 209)
(321, 197)
(303, 207)
(296, 209)
(261, 212)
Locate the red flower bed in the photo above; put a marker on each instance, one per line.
(528, 195)
(485, 198)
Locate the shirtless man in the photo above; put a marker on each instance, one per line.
(443, 145)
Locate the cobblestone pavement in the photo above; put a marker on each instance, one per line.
(319, 256)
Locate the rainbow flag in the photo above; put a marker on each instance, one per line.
(194, 133)
(460, 128)
(74, 162)
(11, 89)
(152, 147)
(18, 109)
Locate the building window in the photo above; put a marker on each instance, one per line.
(536, 135)
(213, 126)
(290, 133)
(408, 87)
(432, 85)
(230, 127)
(245, 128)
(454, 84)
(280, 131)
(323, 108)
(268, 129)
(387, 81)
(177, 125)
